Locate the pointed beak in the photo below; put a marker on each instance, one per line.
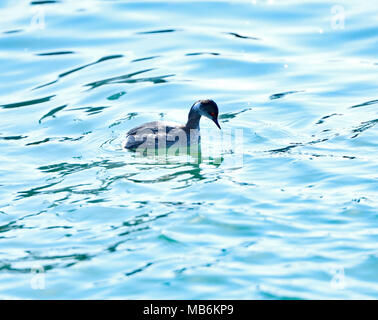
(216, 122)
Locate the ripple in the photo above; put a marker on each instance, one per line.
(64, 74)
(116, 96)
(13, 137)
(368, 103)
(363, 127)
(236, 35)
(27, 102)
(202, 53)
(127, 79)
(52, 112)
(65, 168)
(59, 139)
(13, 31)
(141, 269)
(54, 53)
(91, 110)
(44, 2)
(327, 116)
(282, 94)
(158, 31)
(144, 59)
(231, 115)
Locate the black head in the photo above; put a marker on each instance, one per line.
(209, 109)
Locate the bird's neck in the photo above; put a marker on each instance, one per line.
(194, 118)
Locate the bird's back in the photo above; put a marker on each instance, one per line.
(151, 133)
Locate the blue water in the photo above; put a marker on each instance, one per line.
(82, 218)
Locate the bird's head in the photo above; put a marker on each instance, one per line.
(208, 109)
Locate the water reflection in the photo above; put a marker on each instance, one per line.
(177, 155)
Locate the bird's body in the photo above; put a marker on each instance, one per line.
(160, 134)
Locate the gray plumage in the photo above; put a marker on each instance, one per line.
(164, 134)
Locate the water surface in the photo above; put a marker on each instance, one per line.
(81, 218)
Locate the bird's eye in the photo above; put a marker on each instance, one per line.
(212, 114)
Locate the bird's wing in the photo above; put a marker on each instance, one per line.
(153, 127)
(159, 130)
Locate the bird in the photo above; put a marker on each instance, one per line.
(157, 134)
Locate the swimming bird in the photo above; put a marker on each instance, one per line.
(159, 134)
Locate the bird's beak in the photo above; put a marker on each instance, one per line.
(216, 122)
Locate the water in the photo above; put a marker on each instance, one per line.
(82, 218)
